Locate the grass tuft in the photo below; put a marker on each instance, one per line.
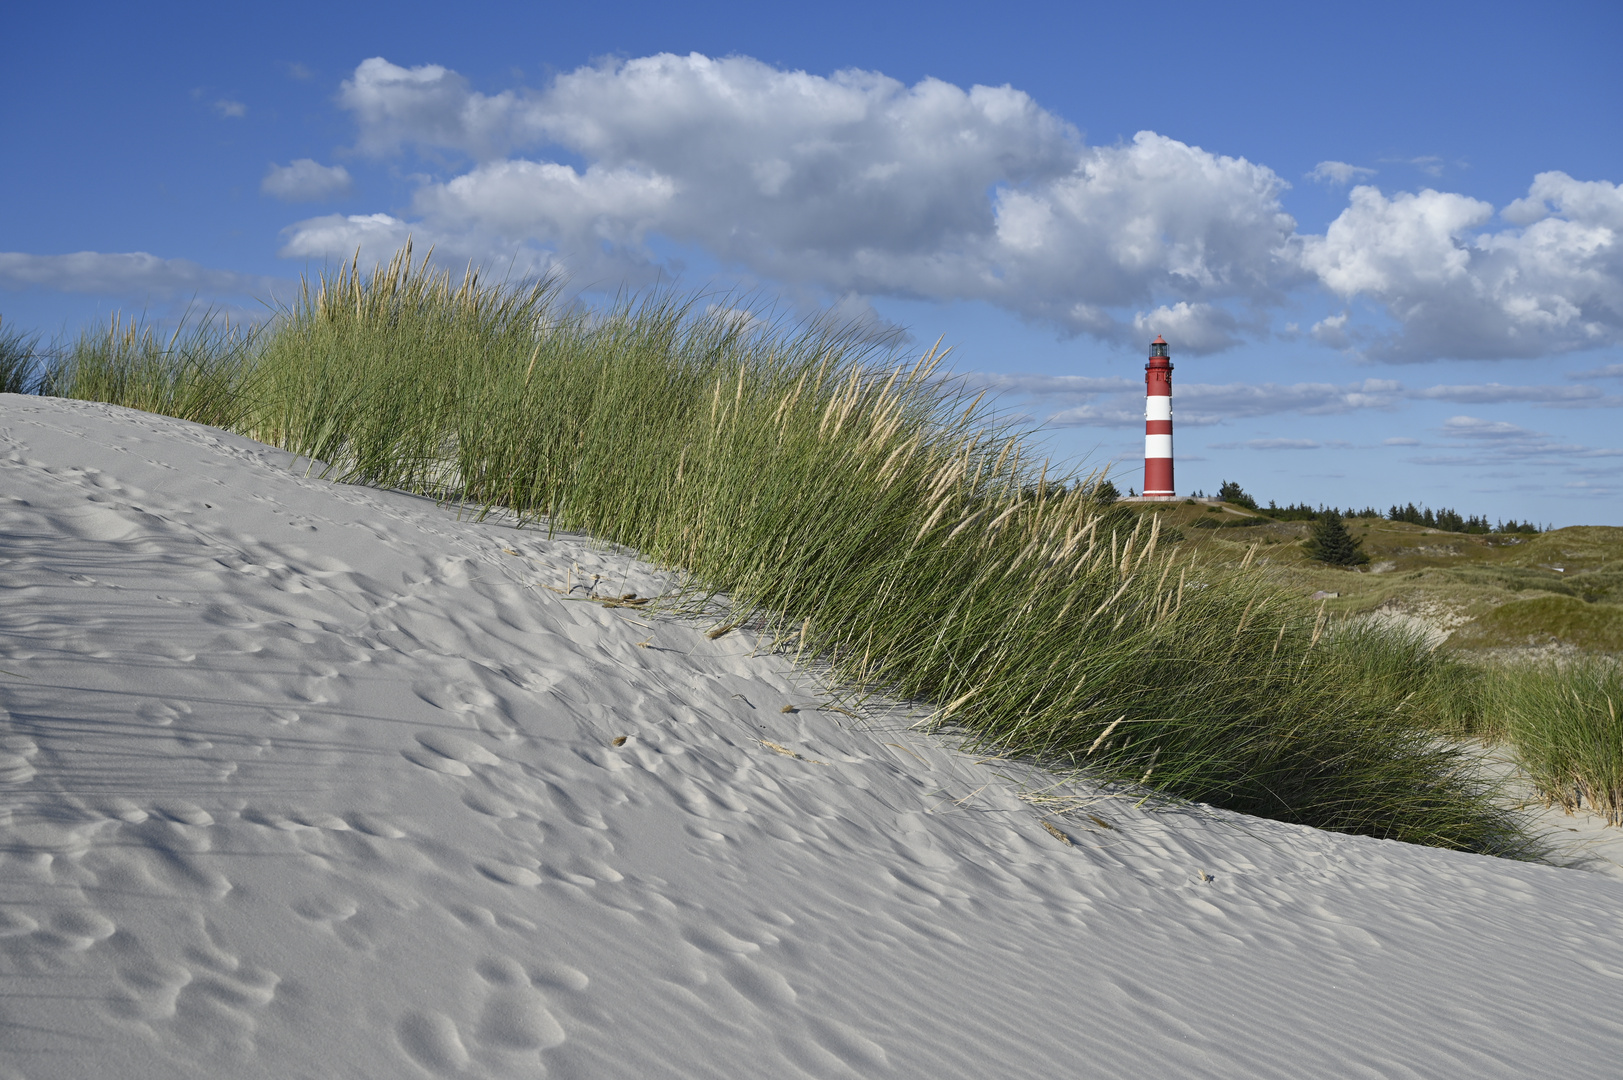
(1565, 720)
(198, 373)
(19, 362)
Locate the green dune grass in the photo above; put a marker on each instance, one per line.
(1563, 719)
(861, 511)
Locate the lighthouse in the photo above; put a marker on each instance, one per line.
(1158, 422)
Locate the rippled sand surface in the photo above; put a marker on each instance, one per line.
(300, 779)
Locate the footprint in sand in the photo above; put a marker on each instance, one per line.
(508, 873)
(450, 754)
(515, 1015)
(15, 751)
(75, 930)
(432, 1040)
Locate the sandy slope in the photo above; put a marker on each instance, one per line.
(304, 780)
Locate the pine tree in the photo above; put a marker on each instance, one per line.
(1332, 543)
(1232, 492)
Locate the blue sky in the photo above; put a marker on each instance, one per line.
(1385, 241)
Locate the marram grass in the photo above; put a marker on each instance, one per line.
(1565, 720)
(866, 512)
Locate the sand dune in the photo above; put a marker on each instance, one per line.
(307, 780)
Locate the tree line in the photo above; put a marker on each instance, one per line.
(1445, 519)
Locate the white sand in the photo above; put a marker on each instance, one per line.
(302, 780)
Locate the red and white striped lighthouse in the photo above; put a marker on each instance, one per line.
(1158, 422)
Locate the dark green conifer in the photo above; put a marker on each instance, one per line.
(1232, 492)
(1332, 543)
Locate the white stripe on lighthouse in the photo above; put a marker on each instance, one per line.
(1157, 446)
(1158, 407)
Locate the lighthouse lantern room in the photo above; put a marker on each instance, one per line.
(1158, 422)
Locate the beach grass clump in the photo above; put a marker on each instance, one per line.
(19, 361)
(1565, 720)
(1403, 667)
(196, 373)
(864, 511)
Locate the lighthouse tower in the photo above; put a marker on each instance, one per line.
(1158, 422)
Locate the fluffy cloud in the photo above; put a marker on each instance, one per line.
(131, 274)
(857, 184)
(432, 106)
(1553, 285)
(231, 110)
(852, 183)
(1197, 328)
(306, 181)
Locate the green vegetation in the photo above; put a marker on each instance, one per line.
(198, 374)
(1105, 492)
(1432, 686)
(1529, 619)
(1450, 521)
(1543, 619)
(17, 362)
(1563, 720)
(1444, 520)
(1305, 512)
(1231, 492)
(860, 511)
(1332, 543)
(1453, 580)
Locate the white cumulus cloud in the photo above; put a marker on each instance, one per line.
(1554, 285)
(857, 184)
(1197, 328)
(851, 183)
(306, 181)
(375, 237)
(431, 105)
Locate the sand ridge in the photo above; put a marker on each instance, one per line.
(300, 779)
